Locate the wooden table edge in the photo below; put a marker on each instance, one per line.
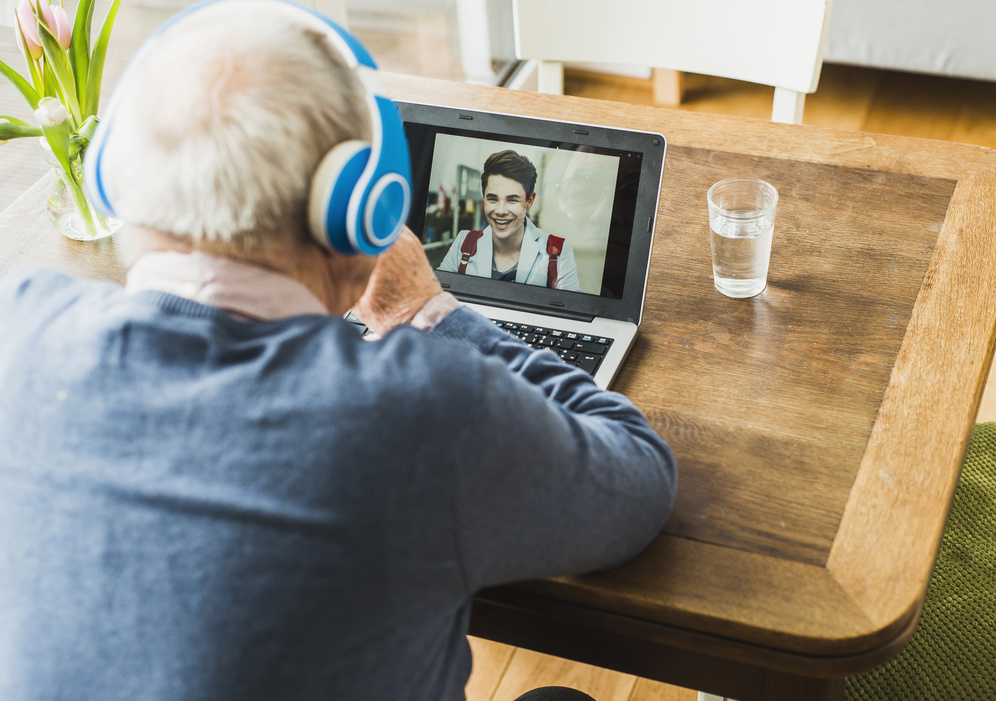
(648, 649)
(924, 420)
(790, 611)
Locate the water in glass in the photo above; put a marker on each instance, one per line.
(740, 253)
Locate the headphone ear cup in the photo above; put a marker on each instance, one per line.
(332, 187)
(386, 209)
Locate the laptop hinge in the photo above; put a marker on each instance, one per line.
(552, 310)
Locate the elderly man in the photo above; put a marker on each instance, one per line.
(211, 487)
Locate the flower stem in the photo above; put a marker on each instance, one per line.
(75, 188)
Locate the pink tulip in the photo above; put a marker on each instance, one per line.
(52, 16)
(58, 23)
(26, 31)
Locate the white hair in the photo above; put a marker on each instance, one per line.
(222, 121)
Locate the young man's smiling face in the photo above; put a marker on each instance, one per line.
(505, 206)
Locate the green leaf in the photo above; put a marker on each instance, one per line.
(76, 145)
(50, 83)
(38, 79)
(87, 128)
(21, 84)
(79, 48)
(55, 59)
(15, 120)
(16, 131)
(58, 139)
(81, 139)
(94, 77)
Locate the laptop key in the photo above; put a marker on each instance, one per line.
(590, 348)
(589, 363)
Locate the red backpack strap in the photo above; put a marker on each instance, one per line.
(469, 248)
(554, 245)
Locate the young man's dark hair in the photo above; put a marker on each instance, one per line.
(512, 166)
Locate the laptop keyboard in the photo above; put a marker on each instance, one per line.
(578, 349)
(581, 350)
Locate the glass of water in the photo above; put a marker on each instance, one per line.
(741, 222)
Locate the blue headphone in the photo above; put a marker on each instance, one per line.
(360, 193)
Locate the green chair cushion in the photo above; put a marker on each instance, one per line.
(952, 655)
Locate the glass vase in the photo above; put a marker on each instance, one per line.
(69, 207)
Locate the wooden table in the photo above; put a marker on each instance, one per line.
(819, 427)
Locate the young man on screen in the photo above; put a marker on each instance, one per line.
(511, 247)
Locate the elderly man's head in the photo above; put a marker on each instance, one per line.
(221, 122)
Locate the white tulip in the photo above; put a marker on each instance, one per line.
(51, 112)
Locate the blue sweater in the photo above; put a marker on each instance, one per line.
(197, 507)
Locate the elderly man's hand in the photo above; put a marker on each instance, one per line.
(401, 284)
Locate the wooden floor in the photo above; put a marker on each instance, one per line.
(848, 98)
(859, 99)
(503, 673)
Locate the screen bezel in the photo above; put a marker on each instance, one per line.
(530, 130)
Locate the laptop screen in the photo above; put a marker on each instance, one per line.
(530, 211)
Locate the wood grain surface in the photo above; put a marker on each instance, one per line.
(770, 401)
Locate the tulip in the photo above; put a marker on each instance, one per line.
(27, 30)
(58, 23)
(52, 16)
(51, 112)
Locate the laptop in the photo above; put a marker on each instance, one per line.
(593, 212)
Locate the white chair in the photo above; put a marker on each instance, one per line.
(771, 42)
